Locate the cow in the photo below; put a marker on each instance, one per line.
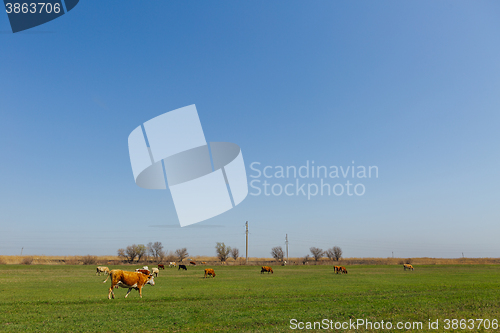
(203, 263)
(183, 267)
(192, 263)
(160, 266)
(172, 264)
(266, 269)
(209, 271)
(344, 270)
(155, 271)
(130, 280)
(143, 271)
(337, 269)
(407, 266)
(102, 269)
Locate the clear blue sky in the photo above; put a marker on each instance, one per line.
(410, 87)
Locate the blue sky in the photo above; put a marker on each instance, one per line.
(411, 88)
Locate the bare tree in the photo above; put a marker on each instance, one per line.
(330, 254)
(121, 254)
(222, 251)
(141, 251)
(149, 248)
(337, 251)
(277, 253)
(316, 253)
(131, 252)
(155, 249)
(181, 254)
(235, 253)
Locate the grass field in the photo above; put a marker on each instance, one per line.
(65, 298)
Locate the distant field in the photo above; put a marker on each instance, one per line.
(64, 298)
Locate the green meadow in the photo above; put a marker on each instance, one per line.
(65, 298)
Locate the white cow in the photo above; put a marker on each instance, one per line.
(155, 271)
(102, 269)
(172, 264)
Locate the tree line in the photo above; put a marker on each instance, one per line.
(155, 252)
(334, 253)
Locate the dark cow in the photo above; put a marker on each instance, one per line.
(161, 266)
(130, 280)
(266, 269)
(183, 267)
(192, 263)
(209, 271)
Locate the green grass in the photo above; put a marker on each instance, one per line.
(240, 299)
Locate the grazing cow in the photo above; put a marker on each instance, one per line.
(266, 269)
(407, 266)
(130, 280)
(337, 269)
(102, 269)
(160, 266)
(143, 271)
(344, 270)
(172, 264)
(209, 271)
(155, 271)
(192, 263)
(203, 263)
(183, 267)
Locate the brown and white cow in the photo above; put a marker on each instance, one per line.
(192, 263)
(343, 269)
(102, 269)
(337, 269)
(155, 271)
(407, 266)
(266, 269)
(209, 271)
(172, 264)
(130, 280)
(143, 271)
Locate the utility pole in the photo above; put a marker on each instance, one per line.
(246, 225)
(22, 250)
(286, 242)
(393, 254)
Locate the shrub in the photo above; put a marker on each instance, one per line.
(27, 261)
(89, 260)
(72, 261)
